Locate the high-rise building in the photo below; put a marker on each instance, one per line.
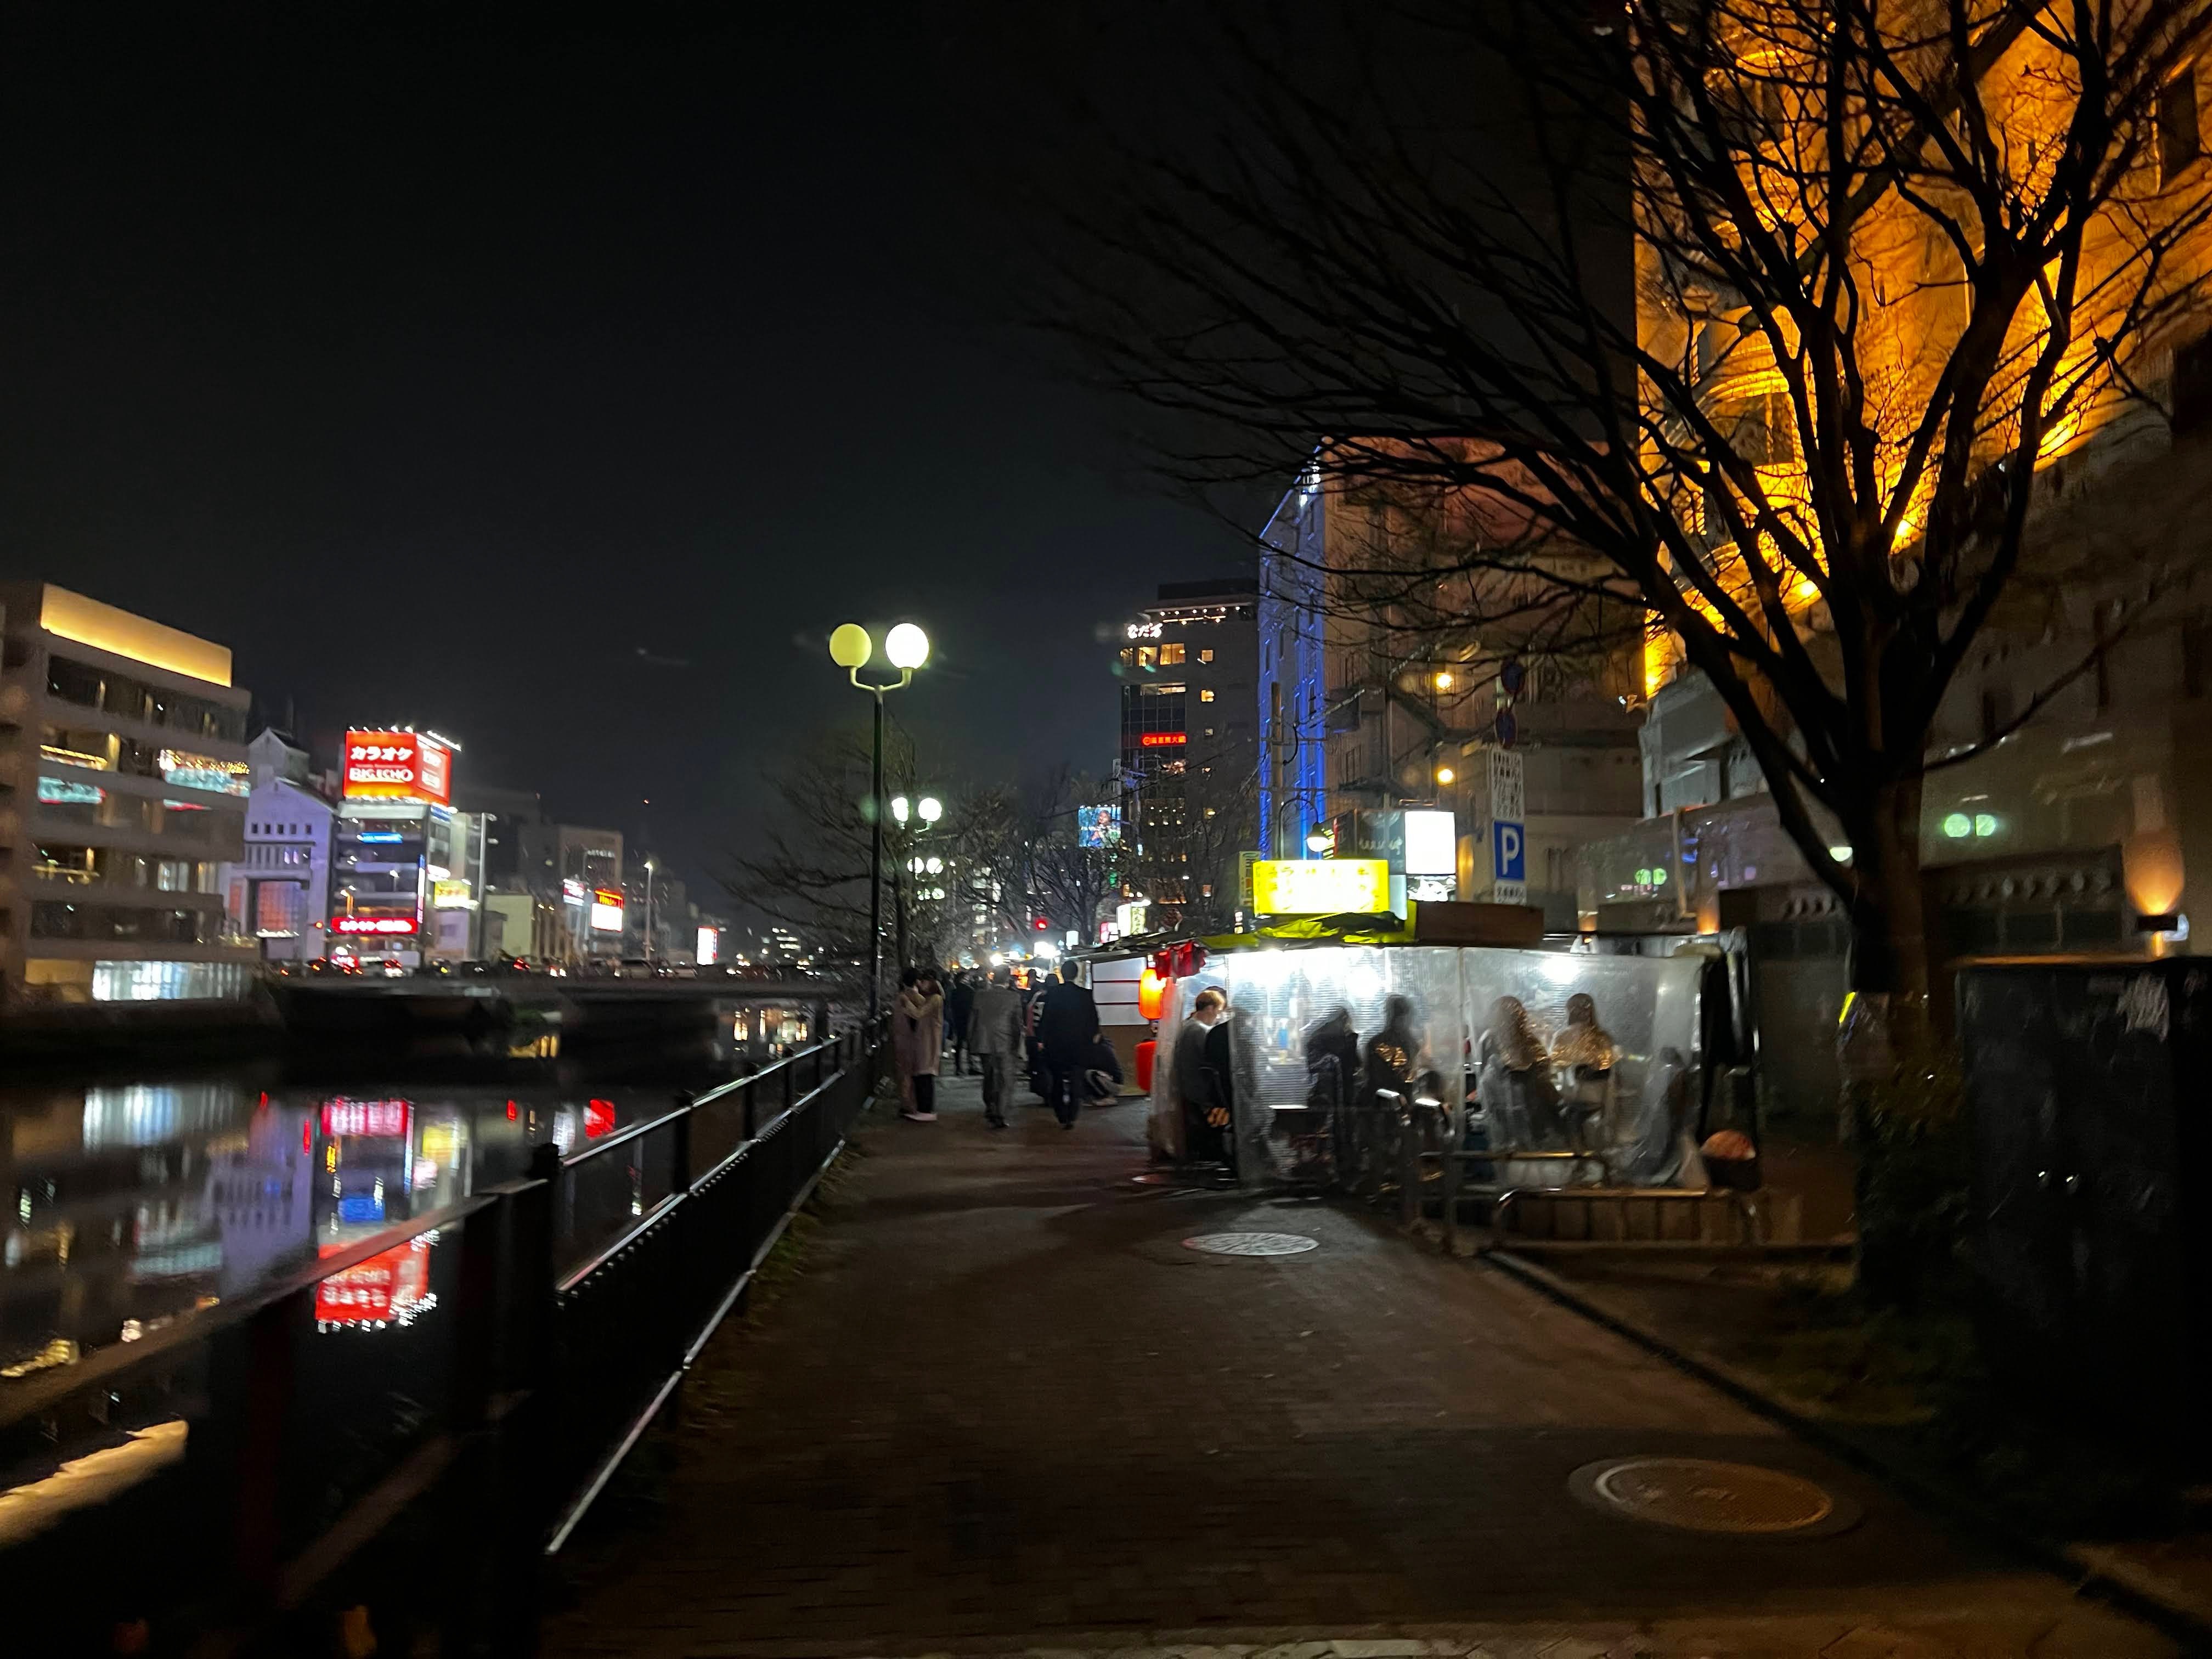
(1189, 748)
(123, 754)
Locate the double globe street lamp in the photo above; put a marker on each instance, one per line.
(905, 647)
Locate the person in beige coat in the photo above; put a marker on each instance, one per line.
(918, 1041)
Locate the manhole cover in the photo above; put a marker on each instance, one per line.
(1698, 1495)
(1252, 1243)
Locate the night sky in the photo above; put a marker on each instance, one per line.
(562, 389)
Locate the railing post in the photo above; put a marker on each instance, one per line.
(679, 1179)
(525, 1478)
(254, 1394)
(748, 1089)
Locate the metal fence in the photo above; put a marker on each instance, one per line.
(246, 1468)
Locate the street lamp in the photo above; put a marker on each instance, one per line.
(649, 909)
(907, 648)
(928, 811)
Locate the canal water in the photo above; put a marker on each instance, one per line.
(137, 1197)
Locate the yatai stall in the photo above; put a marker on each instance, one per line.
(1579, 1069)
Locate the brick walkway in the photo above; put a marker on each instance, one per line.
(1002, 1408)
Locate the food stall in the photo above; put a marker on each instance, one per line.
(1587, 1066)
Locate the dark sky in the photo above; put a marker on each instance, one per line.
(440, 365)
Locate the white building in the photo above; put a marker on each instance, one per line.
(123, 775)
(279, 893)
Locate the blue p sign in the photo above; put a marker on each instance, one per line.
(1508, 851)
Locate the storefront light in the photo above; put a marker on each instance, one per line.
(1958, 826)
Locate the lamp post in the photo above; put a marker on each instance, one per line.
(926, 812)
(648, 911)
(907, 647)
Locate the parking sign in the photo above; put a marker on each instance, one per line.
(1508, 852)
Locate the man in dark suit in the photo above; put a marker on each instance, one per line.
(1068, 1025)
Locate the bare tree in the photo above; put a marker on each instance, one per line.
(810, 866)
(1888, 259)
(1020, 856)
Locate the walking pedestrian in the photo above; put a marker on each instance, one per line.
(1067, 1027)
(1032, 1043)
(959, 1004)
(919, 1022)
(994, 1033)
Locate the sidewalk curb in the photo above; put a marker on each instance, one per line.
(2088, 1569)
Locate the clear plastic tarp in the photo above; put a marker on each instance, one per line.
(1516, 1051)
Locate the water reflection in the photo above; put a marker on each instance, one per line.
(134, 1204)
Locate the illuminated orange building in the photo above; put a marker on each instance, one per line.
(2079, 829)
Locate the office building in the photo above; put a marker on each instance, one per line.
(581, 870)
(1188, 753)
(123, 761)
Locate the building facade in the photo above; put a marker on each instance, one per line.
(279, 893)
(2085, 829)
(123, 754)
(401, 855)
(1378, 695)
(1188, 755)
(581, 871)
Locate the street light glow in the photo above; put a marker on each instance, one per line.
(931, 808)
(900, 807)
(850, 645)
(907, 645)
(1445, 774)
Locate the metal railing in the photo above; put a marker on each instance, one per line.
(262, 1461)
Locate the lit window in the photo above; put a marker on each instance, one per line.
(1170, 655)
(1206, 695)
(2181, 141)
(1206, 656)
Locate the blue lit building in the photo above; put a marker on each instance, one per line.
(1293, 779)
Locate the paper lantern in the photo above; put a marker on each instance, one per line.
(1152, 994)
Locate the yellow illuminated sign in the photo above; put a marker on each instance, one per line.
(1321, 887)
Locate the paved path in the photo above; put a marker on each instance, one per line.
(1003, 1408)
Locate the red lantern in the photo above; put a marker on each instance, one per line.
(1147, 1051)
(1152, 994)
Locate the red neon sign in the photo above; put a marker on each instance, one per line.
(366, 1117)
(390, 1284)
(599, 1118)
(398, 766)
(372, 924)
(1162, 739)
